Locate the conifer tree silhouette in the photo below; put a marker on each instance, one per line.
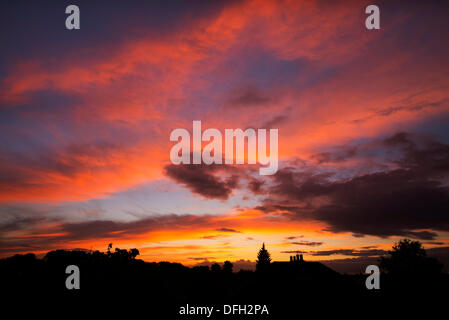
(263, 259)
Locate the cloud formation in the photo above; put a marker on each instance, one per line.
(92, 125)
(39, 237)
(405, 201)
(204, 179)
(308, 243)
(228, 230)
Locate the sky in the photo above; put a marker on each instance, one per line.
(86, 116)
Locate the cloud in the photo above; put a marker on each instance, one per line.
(103, 229)
(46, 232)
(275, 122)
(294, 251)
(20, 222)
(249, 96)
(213, 236)
(202, 179)
(92, 168)
(294, 237)
(72, 124)
(369, 247)
(256, 186)
(200, 258)
(406, 201)
(228, 230)
(350, 252)
(307, 243)
(244, 45)
(342, 154)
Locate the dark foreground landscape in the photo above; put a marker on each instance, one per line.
(161, 290)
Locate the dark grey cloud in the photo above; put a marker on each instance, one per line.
(308, 243)
(294, 251)
(294, 237)
(20, 222)
(275, 122)
(249, 96)
(201, 258)
(350, 252)
(256, 186)
(385, 112)
(107, 229)
(228, 230)
(204, 179)
(416, 107)
(345, 252)
(411, 200)
(341, 154)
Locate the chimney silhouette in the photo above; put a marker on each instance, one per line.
(300, 258)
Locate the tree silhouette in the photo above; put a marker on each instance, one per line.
(227, 267)
(215, 267)
(408, 258)
(109, 249)
(133, 253)
(118, 271)
(120, 254)
(263, 259)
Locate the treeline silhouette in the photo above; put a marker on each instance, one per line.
(117, 275)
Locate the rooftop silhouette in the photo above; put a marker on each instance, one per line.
(119, 273)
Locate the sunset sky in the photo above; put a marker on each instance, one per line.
(86, 116)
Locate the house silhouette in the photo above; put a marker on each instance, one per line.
(300, 269)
